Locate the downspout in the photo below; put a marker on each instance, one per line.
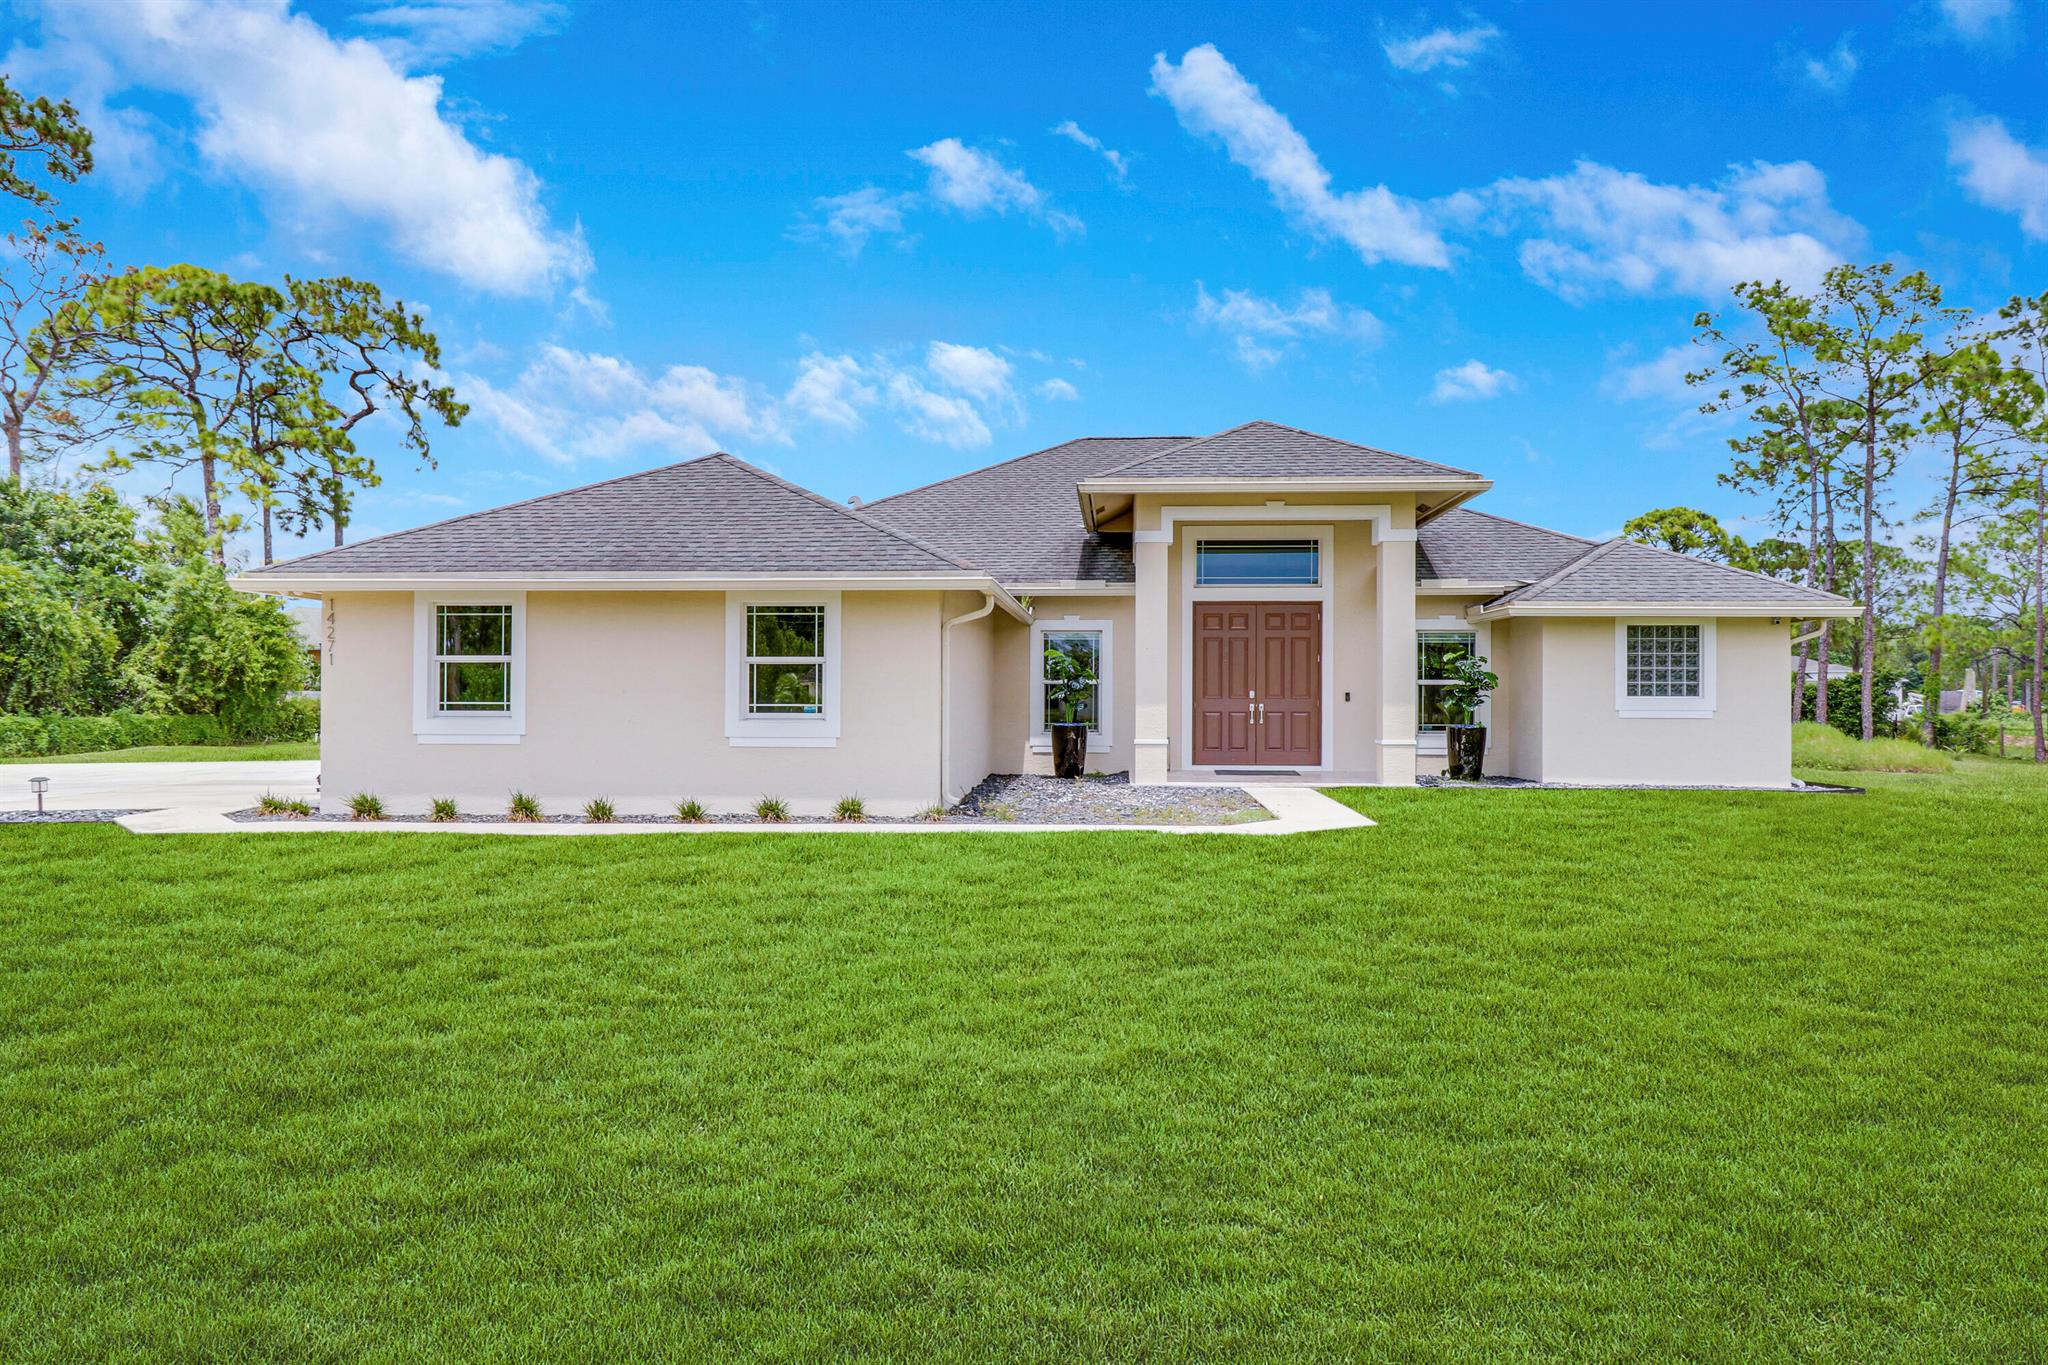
(988, 604)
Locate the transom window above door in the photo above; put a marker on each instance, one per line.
(1258, 563)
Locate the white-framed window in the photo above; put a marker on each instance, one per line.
(782, 669)
(1257, 563)
(1664, 668)
(1075, 637)
(469, 668)
(1434, 650)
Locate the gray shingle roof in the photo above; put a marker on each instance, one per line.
(1267, 450)
(715, 514)
(1019, 520)
(1623, 571)
(1463, 543)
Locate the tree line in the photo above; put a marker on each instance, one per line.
(1845, 391)
(264, 391)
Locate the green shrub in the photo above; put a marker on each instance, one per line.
(598, 811)
(1845, 699)
(691, 812)
(1825, 748)
(1966, 733)
(771, 810)
(442, 808)
(85, 734)
(524, 808)
(363, 806)
(850, 809)
(23, 736)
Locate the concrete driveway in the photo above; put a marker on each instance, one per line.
(187, 788)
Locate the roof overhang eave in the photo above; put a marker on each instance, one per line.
(325, 585)
(1461, 487)
(1789, 611)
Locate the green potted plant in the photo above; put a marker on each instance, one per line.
(1069, 685)
(1470, 685)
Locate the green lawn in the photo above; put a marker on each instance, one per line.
(180, 753)
(1606, 1075)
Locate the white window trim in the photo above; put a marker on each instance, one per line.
(1105, 680)
(1665, 708)
(1439, 741)
(432, 725)
(1324, 592)
(746, 731)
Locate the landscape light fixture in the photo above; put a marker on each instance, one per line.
(39, 785)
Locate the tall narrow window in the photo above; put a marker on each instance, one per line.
(785, 660)
(473, 659)
(1435, 649)
(1664, 661)
(1083, 647)
(1258, 563)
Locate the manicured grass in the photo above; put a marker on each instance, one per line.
(180, 753)
(1523, 1074)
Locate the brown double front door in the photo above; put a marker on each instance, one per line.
(1258, 684)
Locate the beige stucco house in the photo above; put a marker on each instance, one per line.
(1263, 600)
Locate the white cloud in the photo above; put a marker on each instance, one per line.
(1212, 99)
(1833, 72)
(1261, 329)
(1449, 48)
(423, 33)
(853, 217)
(1975, 19)
(1072, 131)
(972, 182)
(1472, 380)
(2001, 172)
(830, 389)
(1602, 229)
(1662, 377)
(1057, 391)
(576, 405)
(979, 373)
(331, 128)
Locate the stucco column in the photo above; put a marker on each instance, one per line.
(1150, 688)
(1395, 577)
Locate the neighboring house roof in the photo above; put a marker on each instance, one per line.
(1622, 572)
(1267, 450)
(1018, 519)
(1482, 548)
(715, 514)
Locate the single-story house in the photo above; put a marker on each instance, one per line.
(1260, 601)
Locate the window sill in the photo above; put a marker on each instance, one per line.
(446, 737)
(782, 741)
(1042, 744)
(1675, 713)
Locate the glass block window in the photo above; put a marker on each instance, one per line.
(1084, 647)
(1258, 563)
(473, 658)
(786, 660)
(1434, 649)
(1664, 661)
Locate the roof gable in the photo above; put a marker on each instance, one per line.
(1268, 450)
(715, 514)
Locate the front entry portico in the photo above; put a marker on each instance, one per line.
(1258, 684)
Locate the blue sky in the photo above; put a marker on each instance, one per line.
(868, 247)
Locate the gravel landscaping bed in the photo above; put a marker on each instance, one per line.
(1005, 798)
(62, 817)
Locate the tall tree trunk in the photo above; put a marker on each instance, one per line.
(12, 426)
(1827, 625)
(1812, 573)
(1868, 657)
(2040, 607)
(266, 531)
(1934, 649)
(216, 544)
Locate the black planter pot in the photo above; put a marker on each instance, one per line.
(1467, 752)
(1069, 748)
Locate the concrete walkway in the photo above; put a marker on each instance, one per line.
(194, 798)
